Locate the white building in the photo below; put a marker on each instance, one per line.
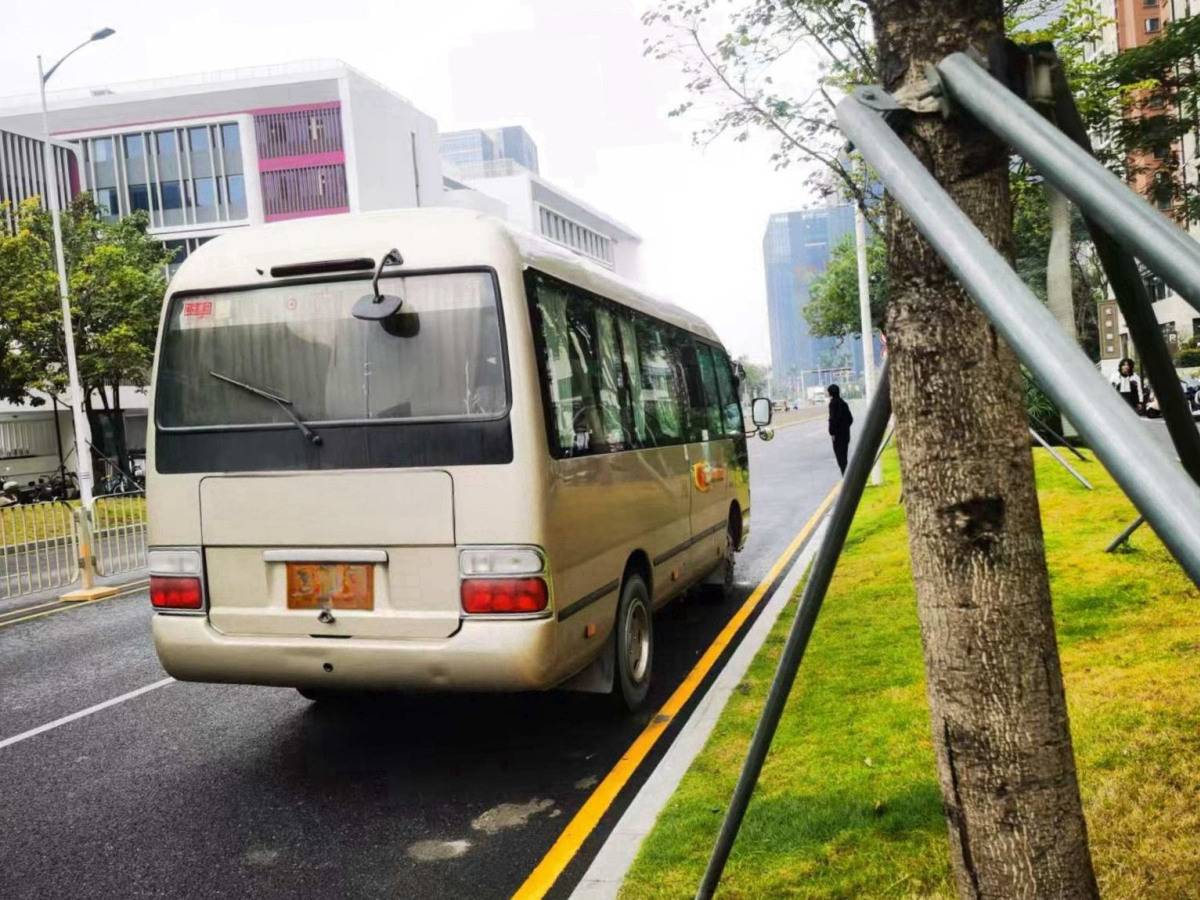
(205, 153)
(533, 203)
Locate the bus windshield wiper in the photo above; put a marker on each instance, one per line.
(282, 402)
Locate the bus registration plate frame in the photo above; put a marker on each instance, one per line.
(331, 586)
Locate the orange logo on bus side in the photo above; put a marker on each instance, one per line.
(703, 475)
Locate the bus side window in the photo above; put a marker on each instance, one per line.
(662, 394)
(568, 336)
(712, 396)
(611, 386)
(634, 399)
(698, 426)
(731, 409)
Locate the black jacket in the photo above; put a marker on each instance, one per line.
(840, 419)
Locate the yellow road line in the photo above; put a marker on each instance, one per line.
(124, 591)
(542, 878)
(26, 609)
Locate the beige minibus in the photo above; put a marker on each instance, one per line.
(422, 450)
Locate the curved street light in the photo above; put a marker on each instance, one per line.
(83, 454)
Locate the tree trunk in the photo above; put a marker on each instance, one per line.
(999, 716)
(122, 443)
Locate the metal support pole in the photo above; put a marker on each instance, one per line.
(1062, 462)
(811, 599)
(1150, 235)
(1157, 485)
(1063, 156)
(1126, 534)
(1058, 437)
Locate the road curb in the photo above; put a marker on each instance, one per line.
(603, 878)
(52, 600)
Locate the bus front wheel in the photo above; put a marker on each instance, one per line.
(634, 643)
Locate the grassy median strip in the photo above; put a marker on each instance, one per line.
(848, 804)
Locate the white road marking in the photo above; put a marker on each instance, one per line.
(50, 726)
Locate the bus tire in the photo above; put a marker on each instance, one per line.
(634, 644)
(718, 586)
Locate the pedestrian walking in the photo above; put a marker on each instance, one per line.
(1128, 385)
(840, 421)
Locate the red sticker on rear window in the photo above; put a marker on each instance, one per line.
(198, 308)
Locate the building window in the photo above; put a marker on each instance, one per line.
(1149, 2)
(1196, 328)
(172, 197)
(25, 438)
(230, 139)
(205, 196)
(102, 151)
(135, 148)
(298, 132)
(166, 143)
(1152, 25)
(582, 240)
(198, 140)
(309, 189)
(237, 196)
(106, 200)
(139, 198)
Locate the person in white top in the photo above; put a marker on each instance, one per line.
(1128, 385)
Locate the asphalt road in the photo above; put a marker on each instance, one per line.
(202, 791)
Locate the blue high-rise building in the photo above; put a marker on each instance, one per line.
(796, 249)
(477, 145)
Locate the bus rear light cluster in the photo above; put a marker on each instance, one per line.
(176, 593)
(176, 579)
(504, 595)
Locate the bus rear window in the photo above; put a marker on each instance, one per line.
(441, 357)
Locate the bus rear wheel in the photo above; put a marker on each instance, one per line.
(634, 644)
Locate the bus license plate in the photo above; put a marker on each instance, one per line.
(332, 585)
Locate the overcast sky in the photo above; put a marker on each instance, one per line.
(570, 71)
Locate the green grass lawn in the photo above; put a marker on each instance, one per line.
(46, 521)
(848, 804)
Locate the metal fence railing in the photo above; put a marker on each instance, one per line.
(119, 532)
(39, 548)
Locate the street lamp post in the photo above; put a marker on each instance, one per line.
(83, 452)
(83, 455)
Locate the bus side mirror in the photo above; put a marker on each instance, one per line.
(767, 434)
(760, 412)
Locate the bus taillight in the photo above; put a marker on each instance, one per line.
(176, 578)
(168, 592)
(504, 595)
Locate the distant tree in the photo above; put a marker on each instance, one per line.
(28, 291)
(755, 377)
(833, 310)
(116, 278)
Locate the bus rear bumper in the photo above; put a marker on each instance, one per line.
(484, 655)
